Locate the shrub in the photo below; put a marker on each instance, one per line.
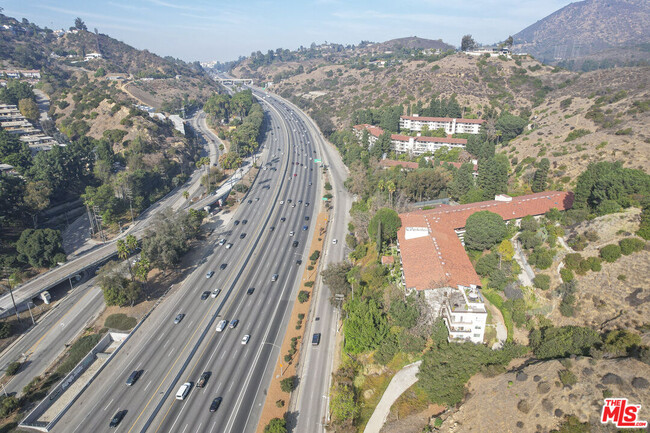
(610, 253)
(631, 245)
(568, 378)
(5, 329)
(8, 405)
(288, 384)
(542, 281)
(276, 425)
(551, 342)
(77, 351)
(594, 263)
(12, 368)
(572, 261)
(120, 321)
(314, 256)
(566, 274)
(279, 403)
(303, 296)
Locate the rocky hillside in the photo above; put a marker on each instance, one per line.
(411, 43)
(587, 27)
(534, 398)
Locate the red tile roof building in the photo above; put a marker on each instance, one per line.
(449, 124)
(433, 256)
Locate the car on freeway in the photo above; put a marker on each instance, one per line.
(289, 201)
(306, 203)
(249, 201)
(223, 266)
(133, 377)
(304, 228)
(274, 277)
(306, 218)
(233, 323)
(298, 262)
(221, 242)
(315, 339)
(283, 219)
(309, 183)
(250, 290)
(203, 379)
(117, 418)
(244, 222)
(222, 325)
(242, 236)
(245, 339)
(215, 293)
(295, 174)
(295, 244)
(183, 391)
(291, 233)
(229, 245)
(178, 318)
(271, 228)
(215, 404)
(257, 199)
(205, 295)
(209, 274)
(293, 205)
(236, 222)
(335, 241)
(299, 201)
(281, 201)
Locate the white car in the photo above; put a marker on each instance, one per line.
(183, 391)
(222, 325)
(215, 293)
(245, 339)
(335, 241)
(281, 201)
(291, 233)
(228, 246)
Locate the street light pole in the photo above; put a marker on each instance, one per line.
(30, 312)
(6, 272)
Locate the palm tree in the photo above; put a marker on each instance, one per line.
(123, 254)
(131, 243)
(186, 195)
(390, 186)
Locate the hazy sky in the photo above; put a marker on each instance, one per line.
(219, 30)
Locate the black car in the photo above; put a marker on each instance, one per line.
(315, 339)
(244, 222)
(250, 290)
(205, 295)
(283, 219)
(298, 262)
(272, 228)
(242, 236)
(215, 404)
(203, 379)
(295, 244)
(223, 266)
(117, 418)
(249, 201)
(236, 222)
(306, 218)
(133, 377)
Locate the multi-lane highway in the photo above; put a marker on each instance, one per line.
(170, 354)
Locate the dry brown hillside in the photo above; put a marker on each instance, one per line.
(534, 400)
(599, 115)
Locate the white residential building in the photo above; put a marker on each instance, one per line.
(465, 315)
(414, 146)
(449, 124)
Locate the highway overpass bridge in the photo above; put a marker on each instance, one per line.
(230, 81)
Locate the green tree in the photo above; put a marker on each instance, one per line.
(79, 24)
(29, 109)
(540, 176)
(551, 342)
(405, 313)
(276, 425)
(467, 43)
(40, 247)
(463, 181)
(510, 126)
(390, 223)
(483, 230)
(493, 175)
(610, 253)
(365, 327)
(335, 277)
(343, 403)
(288, 384)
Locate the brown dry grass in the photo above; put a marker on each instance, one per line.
(275, 393)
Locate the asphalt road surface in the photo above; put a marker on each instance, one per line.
(170, 354)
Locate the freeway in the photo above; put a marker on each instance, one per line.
(170, 354)
(102, 252)
(310, 401)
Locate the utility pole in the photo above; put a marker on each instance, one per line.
(6, 270)
(98, 220)
(129, 194)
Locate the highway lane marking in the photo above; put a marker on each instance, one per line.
(199, 428)
(35, 345)
(170, 352)
(109, 403)
(166, 343)
(145, 388)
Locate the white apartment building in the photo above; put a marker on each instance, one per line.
(465, 315)
(449, 124)
(414, 146)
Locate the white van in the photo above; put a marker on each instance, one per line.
(222, 325)
(183, 391)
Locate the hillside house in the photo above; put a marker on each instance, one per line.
(434, 261)
(414, 146)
